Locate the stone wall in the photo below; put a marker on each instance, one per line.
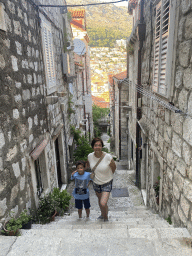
(169, 134)
(25, 116)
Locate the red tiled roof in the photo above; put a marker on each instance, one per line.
(121, 75)
(100, 102)
(78, 13)
(110, 79)
(77, 25)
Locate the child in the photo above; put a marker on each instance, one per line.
(81, 191)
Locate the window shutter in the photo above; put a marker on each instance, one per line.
(164, 47)
(48, 56)
(161, 47)
(157, 48)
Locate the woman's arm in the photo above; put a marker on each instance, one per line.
(112, 165)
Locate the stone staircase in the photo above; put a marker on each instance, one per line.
(136, 231)
(132, 230)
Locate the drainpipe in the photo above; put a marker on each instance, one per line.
(139, 114)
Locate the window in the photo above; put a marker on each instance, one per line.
(48, 55)
(161, 47)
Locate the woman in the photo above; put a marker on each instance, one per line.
(102, 182)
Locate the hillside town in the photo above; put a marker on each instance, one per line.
(95, 142)
(105, 61)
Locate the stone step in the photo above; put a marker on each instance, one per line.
(132, 242)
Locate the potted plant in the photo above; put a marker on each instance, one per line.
(62, 199)
(47, 208)
(12, 226)
(26, 220)
(156, 188)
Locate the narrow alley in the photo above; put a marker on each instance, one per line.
(132, 229)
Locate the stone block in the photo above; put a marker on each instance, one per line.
(14, 63)
(2, 139)
(186, 6)
(17, 98)
(187, 130)
(179, 78)
(17, 27)
(3, 207)
(16, 169)
(15, 113)
(181, 166)
(187, 153)
(176, 144)
(188, 27)
(29, 79)
(167, 134)
(179, 180)
(11, 7)
(26, 95)
(22, 183)
(25, 19)
(2, 62)
(182, 100)
(187, 78)
(187, 189)
(11, 153)
(18, 48)
(177, 123)
(189, 173)
(170, 173)
(184, 53)
(25, 64)
(23, 146)
(185, 206)
(14, 192)
(181, 29)
(181, 215)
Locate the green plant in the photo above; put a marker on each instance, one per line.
(70, 109)
(157, 186)
(46, 209)
(168, 219)
(76, 133)
(130, 49)
(12, 226)
(62, 198)
(25, 217)
(83, 149)
(109, 140)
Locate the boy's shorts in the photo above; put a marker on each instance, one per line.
(79, 203)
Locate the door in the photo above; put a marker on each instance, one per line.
(58, 163)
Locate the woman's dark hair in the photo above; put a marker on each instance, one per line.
(80, 162)
(96, 140)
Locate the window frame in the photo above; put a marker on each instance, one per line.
(48, 55)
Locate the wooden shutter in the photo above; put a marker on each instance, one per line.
(161, 47)
(157, 48)
(48, 56)
(164, 47)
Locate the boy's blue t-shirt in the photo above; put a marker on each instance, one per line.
(81, 182)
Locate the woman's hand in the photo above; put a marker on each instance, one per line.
(112, 165)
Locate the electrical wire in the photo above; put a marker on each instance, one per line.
(79, 5)
(159, 100)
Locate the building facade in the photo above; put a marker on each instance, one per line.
(159, 62)
(35, 102)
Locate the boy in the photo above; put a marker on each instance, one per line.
(81, 191)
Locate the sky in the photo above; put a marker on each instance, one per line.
(118, 4)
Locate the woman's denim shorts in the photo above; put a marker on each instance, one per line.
(107, 187)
